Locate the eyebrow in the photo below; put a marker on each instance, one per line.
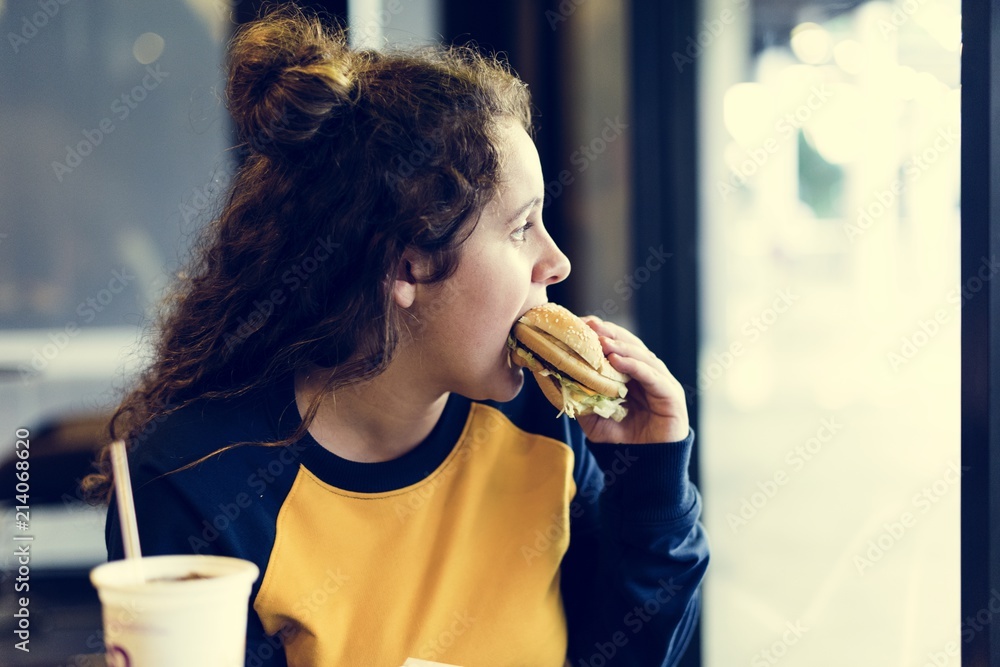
(524, 209)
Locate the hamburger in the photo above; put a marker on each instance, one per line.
(566, 359)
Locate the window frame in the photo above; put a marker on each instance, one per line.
(980, 329)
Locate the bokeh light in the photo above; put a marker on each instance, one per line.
(148, 47)
(811, 43)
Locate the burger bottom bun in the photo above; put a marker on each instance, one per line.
(552, 391)
(550, 387)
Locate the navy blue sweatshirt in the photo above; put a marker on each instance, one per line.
(504, 539)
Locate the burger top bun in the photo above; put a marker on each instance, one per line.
(566, 342)
(573, 335)
(560, 323)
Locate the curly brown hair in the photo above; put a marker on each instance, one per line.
(351, 157)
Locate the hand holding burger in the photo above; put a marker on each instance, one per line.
(586, 367)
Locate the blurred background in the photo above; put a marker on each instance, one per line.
(767, 191)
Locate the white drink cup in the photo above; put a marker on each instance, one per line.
(190, 610)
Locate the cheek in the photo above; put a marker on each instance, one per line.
(508, 293)
(494, 283)
(488, 314)
(493, 289)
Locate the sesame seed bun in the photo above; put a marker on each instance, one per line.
(559, 341)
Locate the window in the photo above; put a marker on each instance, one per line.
(115, 141)
(829, 365)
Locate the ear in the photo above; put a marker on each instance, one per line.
(410, 267)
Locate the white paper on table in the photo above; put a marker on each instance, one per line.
(414, 662)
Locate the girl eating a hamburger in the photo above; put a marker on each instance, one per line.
(337, 389)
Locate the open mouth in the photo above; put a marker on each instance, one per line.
(511, 344)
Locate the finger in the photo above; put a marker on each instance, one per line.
(612, 330)
(628, 349)
(653, 382)
(592, 321)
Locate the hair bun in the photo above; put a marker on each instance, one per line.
(288, 75)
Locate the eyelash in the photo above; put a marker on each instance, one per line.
(522, 230)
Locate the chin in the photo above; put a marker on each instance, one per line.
(510, 393)
(500, 387)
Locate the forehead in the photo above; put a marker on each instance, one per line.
(520, 169)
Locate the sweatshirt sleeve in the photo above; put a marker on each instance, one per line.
(631, 576)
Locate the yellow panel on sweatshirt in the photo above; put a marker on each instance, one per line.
(461, 567)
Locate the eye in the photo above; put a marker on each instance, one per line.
(519, 233)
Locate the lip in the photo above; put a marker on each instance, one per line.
(510, 364)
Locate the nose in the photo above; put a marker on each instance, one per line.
(553, 266)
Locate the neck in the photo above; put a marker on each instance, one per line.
(379, 420)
